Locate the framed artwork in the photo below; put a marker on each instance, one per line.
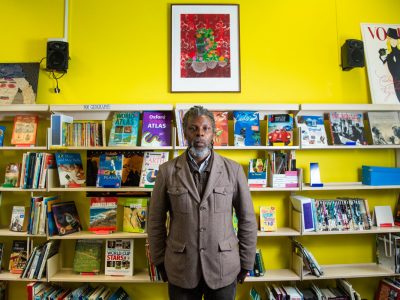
(205, 48)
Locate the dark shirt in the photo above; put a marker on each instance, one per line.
(200, 175)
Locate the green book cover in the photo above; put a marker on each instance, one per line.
(88, 255)
(125, 129)
(135, 215)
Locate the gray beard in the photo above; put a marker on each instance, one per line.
(199, 153)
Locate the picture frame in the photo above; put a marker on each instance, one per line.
(205, 46)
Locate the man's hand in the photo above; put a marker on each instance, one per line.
(241, 276)
(162, 271)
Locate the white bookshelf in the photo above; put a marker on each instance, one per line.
(6, 189)
(306, 109)
(275, 275)
(281, 231)
(264, 148)
(68, 275)
(350, 147)
(32, 149)
(330, 186)
(99, 189)
(112, 148)
(6, 232)
(9, 111)
(373, 230)
(7, 276)
(93, 236)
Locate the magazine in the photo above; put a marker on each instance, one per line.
(135, 214)
(151, 164)
(119, 257)
(103, 214)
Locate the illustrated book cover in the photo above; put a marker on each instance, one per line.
(268, 218)
(151, 164)
(70, 169)
(125, 129)
(24, 130)
(347, 128)
(221, 137)
(385, 127)
(12, 176)
(135, 215)
(257, 175)
(110, 170)
(280, 130)
(103, 214)
(88, 256)
(2, 134)
(19, 218)
(312, 130)
(119, 257)
(156, 128)
(246, 128)
(66, 218)
(18, 256)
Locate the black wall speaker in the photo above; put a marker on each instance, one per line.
(352, 54)
(57, 56)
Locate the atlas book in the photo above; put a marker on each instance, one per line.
(12, 176)
(257, 175)
(88, 256)
(18, 257)
(125, 129)
(156, 128)
(385, 127)
(66, 217)
(280, 130)
(70, 170)
(347, 128)
(312, 130)
(24, 131)
(135, 215)
(110, 170)
(268, 218)
(103, 215)
(381, 57)
(151, 164)
(19, 218)
(119, 257)
(221, 137)
(2, 134)
(246, 128)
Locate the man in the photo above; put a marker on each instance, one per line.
(201, 254)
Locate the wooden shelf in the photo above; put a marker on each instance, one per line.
(271, 189)
(5, 189)
(106, 148)
(373, 230)
(347, 107)
(351, 271)
(99, 189)
(13, 148)
(265, 148)
(7, 276)
(353, 147)
(92, 236)
(275, 275)
(8, 111)
(7, 232)
(348, 186)
(282, 231)
(275, 108)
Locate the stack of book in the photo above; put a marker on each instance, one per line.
(309, 261)
(259, 268)
(33, 170)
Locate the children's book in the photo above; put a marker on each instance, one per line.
(12, 176)
(2, 134)
(88, 254)
(119, 257)
(156, 128)
(110, 170)
(66, 217)
(221, 137)
(268, 218)
(151, 164)
(125, 129)
(247, 128)
(385, 127)
(103, 214)
(347, 128)
(257, 175)
(18, 256)
(70, 170)
(19, 218)
(280, 130)
(312, 130)
(24, 131)
(135, 215)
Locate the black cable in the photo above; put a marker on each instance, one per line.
(57, 90)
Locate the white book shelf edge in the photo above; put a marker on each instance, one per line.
(348, 186)
(99, 189)
(110, 107)
(348, 107)
(275, 275)
(93, 236)
(245, 107)
(67, 275)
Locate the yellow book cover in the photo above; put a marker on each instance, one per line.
(268, 218)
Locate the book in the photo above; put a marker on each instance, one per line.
(257, 175)
(381, 57)
(304, 205)
(125, 129)
(87, 257)
(2, 134)
(384, 127)
(103, 214)
(135, 215)
(312, 130)
(280, 130)
(151, 164)
(110, 170)
(221, 137)
(347, 128)
(18, 256)
(119, 294)
(24, 130)
(66, 217)
(383, 216)
(387, 290)
(12, 176)
(59, 127)
(268, 218)
(246, 128)
(1, 256)
(156, 128)
(19, 218)
(70, 169)
(119, 257)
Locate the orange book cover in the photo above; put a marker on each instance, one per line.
(24, 131)
(221, 128)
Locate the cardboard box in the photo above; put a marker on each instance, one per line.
(380, 175)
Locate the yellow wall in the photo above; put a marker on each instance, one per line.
(290, 53)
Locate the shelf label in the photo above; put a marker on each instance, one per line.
(97, 107)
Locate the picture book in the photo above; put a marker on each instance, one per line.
(156, 128)
(151, 164)
(59, 127)
(280, 130)
(257, 175)
(385, 127)
(2, 134)
(103, 214)
(312, 130)
(268, 218)
(119, 257)
(347, 128)
(12, 176)
(51, 224)
(24, 131)
(70, 170)
(18, 256)
(221, 137)
(246, 128)
(66, 217)
(88, 256)
(381, 56)
(135, 215)
(125, 129)
(19, 218)
(110, 170)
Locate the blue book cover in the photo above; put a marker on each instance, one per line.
(257, 175)
(110, 170)
(247, 128)
(66, 217)
(119, 294)
(125, 129)
(2, 133)
(70, 169)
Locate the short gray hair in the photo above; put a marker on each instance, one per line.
(197, 111)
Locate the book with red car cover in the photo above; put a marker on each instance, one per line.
(280, 130)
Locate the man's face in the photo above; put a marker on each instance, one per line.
(199, 134)
(8, 90)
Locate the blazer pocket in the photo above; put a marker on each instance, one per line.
(222, 199)
(176, 247)
(178, 197)
(228, 244)
(229, 258)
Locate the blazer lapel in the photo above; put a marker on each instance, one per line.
(215, 175)
(183, 173)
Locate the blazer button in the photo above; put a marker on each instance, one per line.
(202, 249)
(202, 208)
(202, 229)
